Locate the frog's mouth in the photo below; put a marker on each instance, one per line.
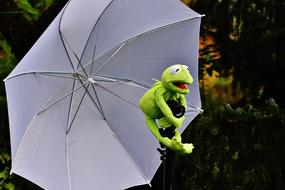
(181, 85)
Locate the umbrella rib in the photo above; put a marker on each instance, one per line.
(39, 72)
(200, 110)
(70, 104)
(65, 48)
(95, 46)
(112, 56)
(101, 109)
(127, 82)
(61, 36)
(117, 96)
(99, 18)
(79, 62)
(66, 137)
(94, 102)
(67, 161)
(57, 76)
(160, 28)
(143, 34)
(77, 109)
(62, 98)
(123, 81)
(70, 61)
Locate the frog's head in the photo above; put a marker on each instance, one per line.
(176, 78)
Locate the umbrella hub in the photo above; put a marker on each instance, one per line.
(91, 80)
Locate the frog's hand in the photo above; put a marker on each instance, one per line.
(187, 149)
(164, 123)
(161, 103)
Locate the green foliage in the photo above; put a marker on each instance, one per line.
(235, 149)
(44, 4)
(209, 57)
(7, 63)
(32, 10)
(249, 38)
(5, 177)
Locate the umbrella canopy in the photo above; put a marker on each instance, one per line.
(73, 99)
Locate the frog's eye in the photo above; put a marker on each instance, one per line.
(186, 67)
(175, 69)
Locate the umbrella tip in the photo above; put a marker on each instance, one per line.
(149, 183)
(200, 110)
(154, 79)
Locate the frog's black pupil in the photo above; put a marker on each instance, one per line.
(177, 70)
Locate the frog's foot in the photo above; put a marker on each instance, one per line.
(187, 148)
(175, 145)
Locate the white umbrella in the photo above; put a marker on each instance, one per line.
(73, 99)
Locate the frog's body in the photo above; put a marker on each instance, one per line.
(173, 86)
(148, 102)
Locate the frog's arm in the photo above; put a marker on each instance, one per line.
(161, 103)
(182, 101)
(177, 136)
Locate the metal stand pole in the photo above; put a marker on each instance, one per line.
(168, 159)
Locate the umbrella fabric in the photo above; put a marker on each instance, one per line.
(73, 99)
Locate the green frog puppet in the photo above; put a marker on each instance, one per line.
(157, 111)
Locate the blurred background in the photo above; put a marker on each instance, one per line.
(240, 138)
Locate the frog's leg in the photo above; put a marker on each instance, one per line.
(173, 144)
(187, 148)
(165, 124)
(151, 124)
(176, 144)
